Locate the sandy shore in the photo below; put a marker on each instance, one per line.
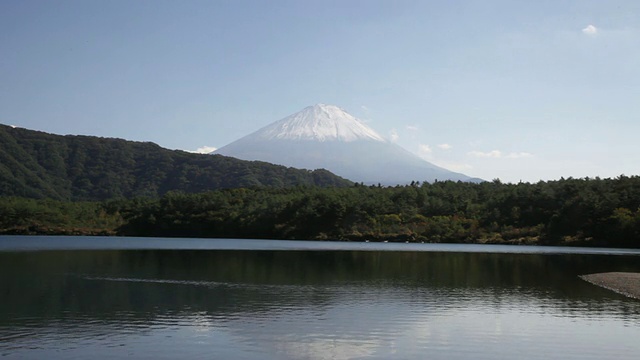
(624, 283)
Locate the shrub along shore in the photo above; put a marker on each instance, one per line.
(585, 212)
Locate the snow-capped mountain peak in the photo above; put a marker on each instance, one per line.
(327, 137)
(319, 122)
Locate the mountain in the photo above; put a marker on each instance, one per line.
(39, 165)
(325, 136)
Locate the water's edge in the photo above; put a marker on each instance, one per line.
(38, 243)
(625, 283)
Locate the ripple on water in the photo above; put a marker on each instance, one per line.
(344, 306)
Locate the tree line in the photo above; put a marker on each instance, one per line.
(586, 212)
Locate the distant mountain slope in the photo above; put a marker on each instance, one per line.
(39, 165)
(325, 136)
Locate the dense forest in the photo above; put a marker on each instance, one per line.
(586, 212)
(38, 165)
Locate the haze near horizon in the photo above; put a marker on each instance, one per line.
(494, 89)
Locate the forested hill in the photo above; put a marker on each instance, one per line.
(35, 164)
(585, 212)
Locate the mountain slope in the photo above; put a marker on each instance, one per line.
(40, 165)
(325, 136)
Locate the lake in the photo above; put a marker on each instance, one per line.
(88, 297)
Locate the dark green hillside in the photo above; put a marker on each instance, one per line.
(34, 164)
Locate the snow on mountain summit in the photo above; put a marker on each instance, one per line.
(319, 122)
(327, 137)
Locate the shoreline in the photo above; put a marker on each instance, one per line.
(624, 283)
(43, 230)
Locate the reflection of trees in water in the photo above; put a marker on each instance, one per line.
(106, 284)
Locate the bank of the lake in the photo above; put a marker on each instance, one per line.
(624, 283)
(54, 243)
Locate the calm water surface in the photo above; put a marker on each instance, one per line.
(84, 298)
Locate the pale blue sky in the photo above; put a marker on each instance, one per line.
(516, 90)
